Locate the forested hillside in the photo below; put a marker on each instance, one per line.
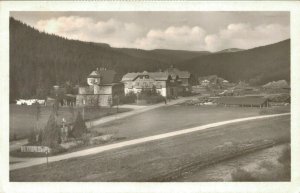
(39, 60)
(166, 56)
(257, 66)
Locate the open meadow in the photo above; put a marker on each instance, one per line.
(22, 119)
(165, 160)
(177, 117)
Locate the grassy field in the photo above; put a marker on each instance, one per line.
(22, 119)
(260, 165)
(171, 118)
(164, 160)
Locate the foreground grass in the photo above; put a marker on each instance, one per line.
(164, 160)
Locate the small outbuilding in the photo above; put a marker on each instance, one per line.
(244, 101)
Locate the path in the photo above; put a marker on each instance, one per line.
(95, 150)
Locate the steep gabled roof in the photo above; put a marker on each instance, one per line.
(159, 75)
(130, 76)
(154, 75)
(106, 76)
(94, 74)
(175, 72)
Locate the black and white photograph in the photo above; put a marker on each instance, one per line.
(150, 96)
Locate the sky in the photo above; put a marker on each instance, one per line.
(198, 31)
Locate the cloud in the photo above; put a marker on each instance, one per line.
(245, 36)
(183, 37)
(112, 31)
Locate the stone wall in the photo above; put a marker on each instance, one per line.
(36, 149)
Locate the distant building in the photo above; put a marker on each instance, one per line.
(162, 81)
(205, 82)
(183, 78)
(103, 87)
(244, 101)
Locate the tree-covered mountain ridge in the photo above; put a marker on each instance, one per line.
(39, 60)
(257, 65)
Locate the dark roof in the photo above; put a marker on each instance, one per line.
(154, 75)
(94, 74)
(244, 100)
(106, 76)
(175, 72)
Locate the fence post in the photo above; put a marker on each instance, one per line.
(47, 157)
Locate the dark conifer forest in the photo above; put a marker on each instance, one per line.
(256, 66)
(39, 60)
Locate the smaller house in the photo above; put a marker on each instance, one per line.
(103, 86)
(244, 101)
(183, 79)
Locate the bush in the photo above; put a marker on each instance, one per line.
(32, 138)
(128, 98)
(150, 96)
(279, 98)
(152, 99)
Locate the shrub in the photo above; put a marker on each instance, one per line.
(128, 98)
(150, 96)
(155, 99)
(32, 138)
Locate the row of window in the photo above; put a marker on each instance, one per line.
(145, 84)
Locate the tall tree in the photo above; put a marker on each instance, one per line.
(51, 133)
(79, 127)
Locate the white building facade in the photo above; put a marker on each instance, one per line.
(162, 82)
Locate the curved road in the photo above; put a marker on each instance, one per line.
(95, 150)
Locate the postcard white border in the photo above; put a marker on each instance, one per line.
(271, 187)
